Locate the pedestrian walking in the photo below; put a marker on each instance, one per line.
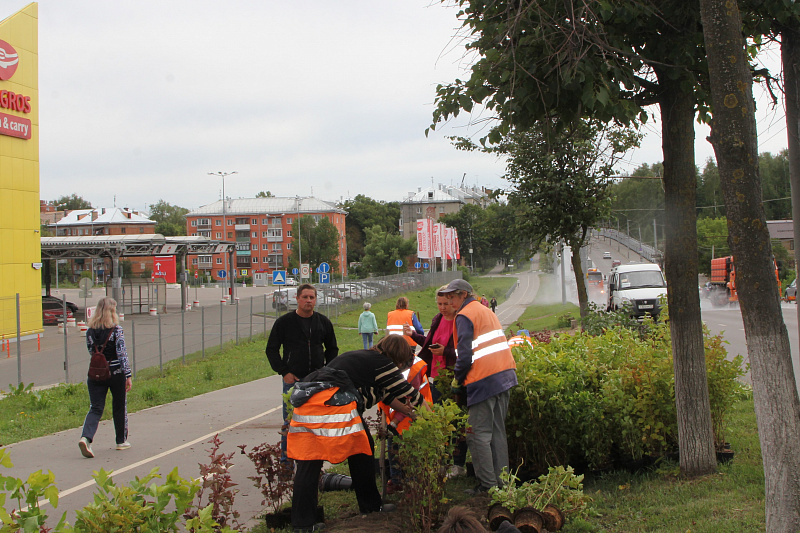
(308, 341)
(105, 332)
(400, 316)
(484, 301)
(327, 422)
(493, 304)
(486, 368)
(367, 325)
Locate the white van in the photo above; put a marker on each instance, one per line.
(637, 284)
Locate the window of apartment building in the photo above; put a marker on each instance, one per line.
(289, 220)
(264, 221)
(218, 235)
(441, 209)
(230, 222)
(204, 233)
(289, 234)
(255, 259)
(141, 230)
(194, 223)
(316, 217)
(276, 247)
(419, 210)
(230, 235)
(217, 222)
(265, 246)
(194, 234)
(288, 246)
(219, 260)
(254, 221)
(255, 234)
(276, 233)
(123, 230)
(202, 222)
(263, 234)
(194, 260)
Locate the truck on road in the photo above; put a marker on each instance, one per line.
(722, 285)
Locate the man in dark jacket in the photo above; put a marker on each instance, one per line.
(308, 341)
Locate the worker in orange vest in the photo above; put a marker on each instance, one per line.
(403, 315)
(327, 422)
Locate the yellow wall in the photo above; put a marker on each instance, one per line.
(20, 244)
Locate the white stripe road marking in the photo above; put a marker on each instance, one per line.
(86, 484)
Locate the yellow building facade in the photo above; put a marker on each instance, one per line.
(20, 245)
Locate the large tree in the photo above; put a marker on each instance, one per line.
(317, 241)
(72, 202)
(363, 213)
(383, 248)
(733, 137)
(561, 178)
(566, 60)
(169, 219)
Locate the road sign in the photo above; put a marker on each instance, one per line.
(324, 277)
(398, 263)
(85, 283)
(426, 265)
(222, 274)
(279, 277)
(295, 271)
(244, 272)
(195, 274)
(305, 271)
(324, 267)
(417, 264)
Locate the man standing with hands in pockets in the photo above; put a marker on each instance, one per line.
(309, 343)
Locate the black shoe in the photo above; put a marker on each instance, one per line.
(479, 489)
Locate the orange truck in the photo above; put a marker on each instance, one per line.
(594, 284)
(723, 282)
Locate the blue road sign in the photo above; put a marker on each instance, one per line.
(279, 277)
(324, 268)
(295, 271)
(417, 264)
(222, 274)
(426, 265)
(324, 277)
(398, 263)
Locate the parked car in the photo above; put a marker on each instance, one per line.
(791, 291)
(615, 263)
(291, 281)
(53, 310)
(606, 255)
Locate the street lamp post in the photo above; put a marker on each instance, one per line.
(223, 175)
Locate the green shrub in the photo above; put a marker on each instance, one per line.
(605, 400)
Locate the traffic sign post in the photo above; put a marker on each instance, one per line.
(305, 271)
(324, 277)
(398, 264)
(279, 277)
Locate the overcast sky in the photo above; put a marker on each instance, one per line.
(140, 100)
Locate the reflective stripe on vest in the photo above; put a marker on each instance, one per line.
(326, 432)
(490, 351)
(520, 340)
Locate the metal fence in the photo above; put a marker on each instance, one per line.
(60, 355)
(645, 250)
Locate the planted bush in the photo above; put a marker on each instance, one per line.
(605, 400)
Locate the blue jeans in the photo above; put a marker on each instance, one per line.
(367, 338)
(98, 390)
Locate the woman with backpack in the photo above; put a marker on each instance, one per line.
(105, 336)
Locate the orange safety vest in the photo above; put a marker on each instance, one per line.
(520, 340)
(326, 432)
(395, 321)
(490, 351)
(417, 375)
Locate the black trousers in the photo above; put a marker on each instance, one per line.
(306, 481)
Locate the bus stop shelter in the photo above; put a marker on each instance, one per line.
(116, 247)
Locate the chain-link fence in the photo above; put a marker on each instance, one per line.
(60, 355)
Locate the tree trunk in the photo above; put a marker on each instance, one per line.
(580, 276)
(733, 136)
(695, 433)
(790, 55)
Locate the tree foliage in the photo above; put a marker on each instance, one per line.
(72, 202)
(383, 248)
(491, 233)
(363, 213)
(319, 242)
(264, 194)
(169, 219)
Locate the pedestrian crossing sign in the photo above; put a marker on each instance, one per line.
(279, 277)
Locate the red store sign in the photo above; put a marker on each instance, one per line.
(15, 126)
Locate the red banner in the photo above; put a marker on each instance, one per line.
(164, 267)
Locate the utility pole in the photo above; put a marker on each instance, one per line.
(223, 175)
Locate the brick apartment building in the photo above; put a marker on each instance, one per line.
(262, 230)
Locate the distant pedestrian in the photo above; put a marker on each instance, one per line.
(367, 325)
(104, 330)
(484, 301)
(403, 315)
(308, 341)
(493, 304)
